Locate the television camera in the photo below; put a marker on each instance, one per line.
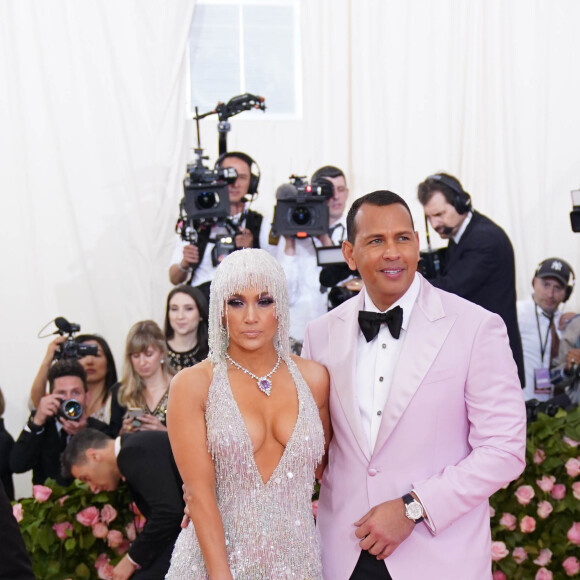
(71, 348)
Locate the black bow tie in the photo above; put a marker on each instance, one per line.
(370, 322)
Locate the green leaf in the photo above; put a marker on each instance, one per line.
(82, 571)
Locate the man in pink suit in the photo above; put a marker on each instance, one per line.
(427, 414)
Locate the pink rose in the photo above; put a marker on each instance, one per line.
(108, 514)
(123, 547)
(130, 531)
(543, 574)
(41, 492)
(544, 557)
(62, 529)
(499, 575)
(539, 456)
(491, 511)
(559, 491)
(100, 530)
(571, 565)
(17, 511)
(573, 467)
(576, 489)
(524, 494)
(101, 560)
(105, 572)
(546, 483)
(544, 509)
(570, 442)
(89, 516)
(315, 508)
(498, 551)
(527, 524)
(114, 538)
(508, 521)
(139, 517)
(574, 533)
(519, 555)
(62, 499)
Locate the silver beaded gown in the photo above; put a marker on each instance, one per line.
(269, 527)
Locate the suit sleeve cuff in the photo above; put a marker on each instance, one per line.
(427, 519)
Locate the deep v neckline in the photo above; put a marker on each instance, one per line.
(248, 439)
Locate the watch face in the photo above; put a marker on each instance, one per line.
(414, 510)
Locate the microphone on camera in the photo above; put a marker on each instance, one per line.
(286, 190)
(65, 326)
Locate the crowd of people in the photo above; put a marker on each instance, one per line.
(411, 371)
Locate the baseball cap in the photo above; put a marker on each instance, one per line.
(554, 268)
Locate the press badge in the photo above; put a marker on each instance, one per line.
(542, 384)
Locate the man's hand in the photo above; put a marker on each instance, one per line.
(190, 256)
(48, 407)
(564, 319)
(572, 358)
(290, 249)
(73, 427)
(244, 239)
(383, 528)
(124, 569)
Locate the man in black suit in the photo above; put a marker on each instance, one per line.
(144, 460)
(48, 429)
(479, 263)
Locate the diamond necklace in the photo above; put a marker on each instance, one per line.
(264, 383)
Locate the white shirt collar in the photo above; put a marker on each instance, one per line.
(463, 227)
(117, 446)
(406, 301)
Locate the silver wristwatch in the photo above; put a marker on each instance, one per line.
(413, 509)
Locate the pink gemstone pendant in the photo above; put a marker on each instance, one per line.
(265, 385)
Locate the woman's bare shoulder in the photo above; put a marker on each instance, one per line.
(193, 381)
(315, 375)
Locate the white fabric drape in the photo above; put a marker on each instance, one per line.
(94, 139)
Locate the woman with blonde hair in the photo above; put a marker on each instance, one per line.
(248, 428)
(146, 377)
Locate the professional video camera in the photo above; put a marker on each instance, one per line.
(206, 201)
(301, 209)
(71, 348)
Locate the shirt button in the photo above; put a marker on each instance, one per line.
(379, 413)
(381, 379)
(372, 472)
(384, 345)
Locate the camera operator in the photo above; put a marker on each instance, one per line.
(48, 429)
(479, 262)
(308, 298)
(566, 373)
(193, 263)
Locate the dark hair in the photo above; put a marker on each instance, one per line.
(327, 171)
(66, 368)
(378, 198)
(75, 452)
(238, 155)
(431, 185)
(111, 376)
(203, 307)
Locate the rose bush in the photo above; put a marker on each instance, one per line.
(537, 517)
(73, 533)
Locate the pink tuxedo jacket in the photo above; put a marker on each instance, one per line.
(453, 429)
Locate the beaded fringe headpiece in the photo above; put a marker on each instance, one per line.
(242, 269)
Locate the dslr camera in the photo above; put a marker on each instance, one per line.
(301, 209)
(70, 409)
(71, 348)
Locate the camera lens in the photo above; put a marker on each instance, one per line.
(301, 215)
(206, 200)
(71, 409)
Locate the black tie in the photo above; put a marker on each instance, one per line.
(370, 322)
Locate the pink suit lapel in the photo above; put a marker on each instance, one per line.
(427, 331)
(344, 331)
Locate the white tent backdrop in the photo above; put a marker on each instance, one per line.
(94, 140)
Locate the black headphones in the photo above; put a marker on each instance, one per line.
(254, 169)
(462, 200)
(569, 287)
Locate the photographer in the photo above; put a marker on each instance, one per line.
(60, 414)
(308, 298)
(195, 264)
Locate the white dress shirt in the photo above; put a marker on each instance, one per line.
(376, 363)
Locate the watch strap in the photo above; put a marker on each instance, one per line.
(408, 499)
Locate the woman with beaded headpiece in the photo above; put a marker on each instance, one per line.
(248, 428)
